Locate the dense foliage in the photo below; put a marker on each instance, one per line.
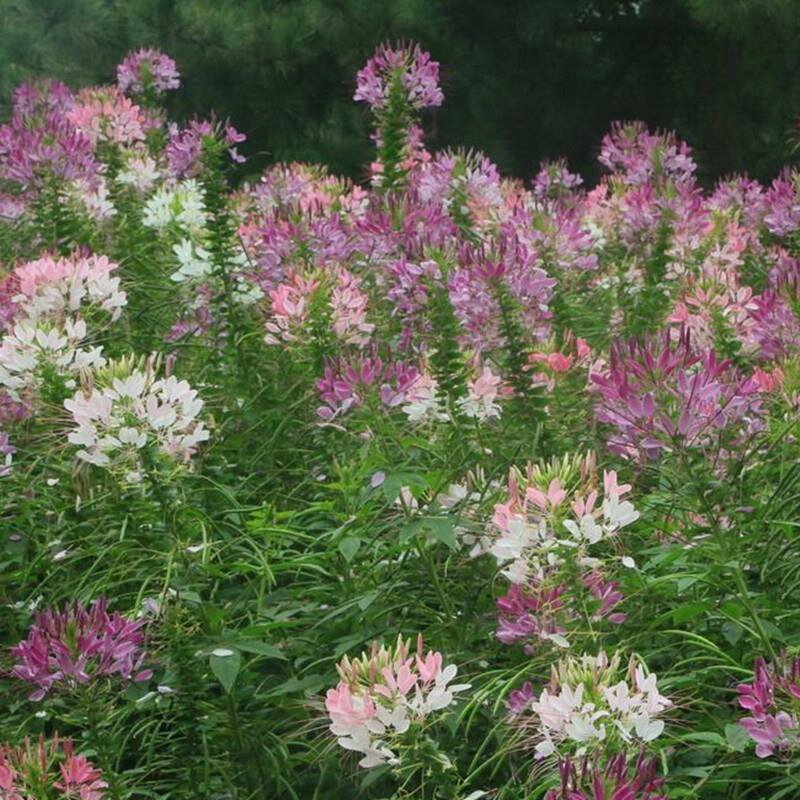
(442, 486)
(526, 79)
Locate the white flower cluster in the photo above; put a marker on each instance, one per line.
(94, 197)
(29, 352)
(140, 172)
(527, 543)
(422, 400)
(194, 261)
(180, 205)
(525, 548)
(592, 528)
(574, 718)
(113, 425)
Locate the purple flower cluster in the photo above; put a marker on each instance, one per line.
(662, 396)
(773, 700)
(554, 181)
(638, 156)
(79, 645)
(349, 385)
(529, 613)
(540, 610)
(185, 147)
(589, 779)
(783, 205)
(147, 70)
(410, 66)
(51, 148)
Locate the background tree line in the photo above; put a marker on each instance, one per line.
(524, 79)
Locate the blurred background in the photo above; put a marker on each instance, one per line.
(523, 79)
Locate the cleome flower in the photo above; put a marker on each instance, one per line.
(131, 417)
(410, 67)
(335, 297)
(147, 70)
(667, 397)
(59, 287)
(618, 779)
(482, 393)
(773, 700)
(65, 649)
(179, 206)
(590, 705)
(52, 767)
(385, 693)
(33, 356)
(548, 539)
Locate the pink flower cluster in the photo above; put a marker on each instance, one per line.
(50, 766)
(639, 156)
(383, 693)
(106, 116)
(338, 291)
(773, 701)
(59, 287)
(548, 594)
(410, 67)
(147, 70)
(79, 645)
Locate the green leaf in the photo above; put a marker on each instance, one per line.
(260, 648)
(732, 632)
(704, 737)
(442, 529)
(348, 547)
(689, 611)
(737, 738)
(311, 682)
(226, 668)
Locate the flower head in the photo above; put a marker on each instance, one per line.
(773, 700)
(130, 413)
(147, 70)
(382, 692)
(409, 67)
(78, 645)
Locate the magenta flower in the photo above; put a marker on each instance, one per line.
(774, 328)
(773, 700)
(661, 397)
(520, 699)
(639, 156)
(147, 69)
(410, 66)
(530, 613)
(7, 450)
(80, 779)
(513, 267)
(348, 385)
(617, 780)
(79, 645)
(28, 770)
(555, 181)
(51, 148)
(185, 147)
(33, 102)
(783, 205)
